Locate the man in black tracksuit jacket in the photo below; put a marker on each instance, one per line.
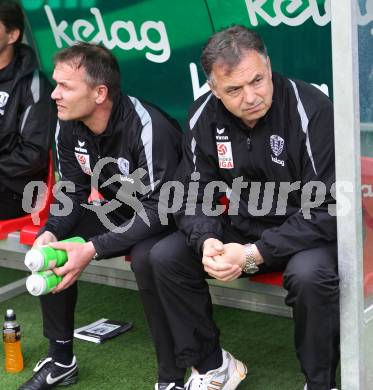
(267, 143)
(124, 148)
(27, 114)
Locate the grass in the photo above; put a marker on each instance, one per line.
(10, 275)
(127, 362)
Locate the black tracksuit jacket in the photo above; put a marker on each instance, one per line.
(293, 142)
(137, 136)
(27, 122)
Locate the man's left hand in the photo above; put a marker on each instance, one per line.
(79, 256)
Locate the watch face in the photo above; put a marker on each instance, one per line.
(251, 269)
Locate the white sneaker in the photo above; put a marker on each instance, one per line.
(227, 377)
(305, 387)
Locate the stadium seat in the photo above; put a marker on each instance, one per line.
(273, 278)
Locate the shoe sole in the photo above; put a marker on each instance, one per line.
(238, 376)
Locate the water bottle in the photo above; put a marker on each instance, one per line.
(41, 283)
(12, 343)
(45, 257)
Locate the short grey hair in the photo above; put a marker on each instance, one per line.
(228, 46)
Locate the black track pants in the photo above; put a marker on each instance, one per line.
(310, 277)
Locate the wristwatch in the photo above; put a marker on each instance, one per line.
(249, 266)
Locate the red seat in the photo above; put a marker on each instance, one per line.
(37, 218)
(28, 234)
(274, 278)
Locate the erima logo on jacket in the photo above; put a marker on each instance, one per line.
(83, 157)
(219, 134)
(80, 148)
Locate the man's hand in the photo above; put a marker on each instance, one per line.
(213, 250)
(228, 264)
(235, 254)
(44, 239)
(79, 256)
(212, 247)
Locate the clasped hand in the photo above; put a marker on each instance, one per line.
(223, 261)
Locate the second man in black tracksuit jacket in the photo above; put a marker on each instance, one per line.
(266, 143)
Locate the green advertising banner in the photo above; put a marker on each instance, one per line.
(158, 42)
(297, 34)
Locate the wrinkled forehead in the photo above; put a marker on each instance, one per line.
(249, 64)
(250, 58)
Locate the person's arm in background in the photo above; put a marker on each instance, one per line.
(27, 146)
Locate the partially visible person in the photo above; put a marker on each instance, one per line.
(27, 113)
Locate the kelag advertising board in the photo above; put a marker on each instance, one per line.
(158, 42)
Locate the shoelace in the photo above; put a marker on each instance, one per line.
(196, 382)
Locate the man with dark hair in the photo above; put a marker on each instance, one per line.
(124, 148)
(27, 114)
(267, 143)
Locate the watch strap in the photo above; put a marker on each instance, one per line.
(250, 266)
